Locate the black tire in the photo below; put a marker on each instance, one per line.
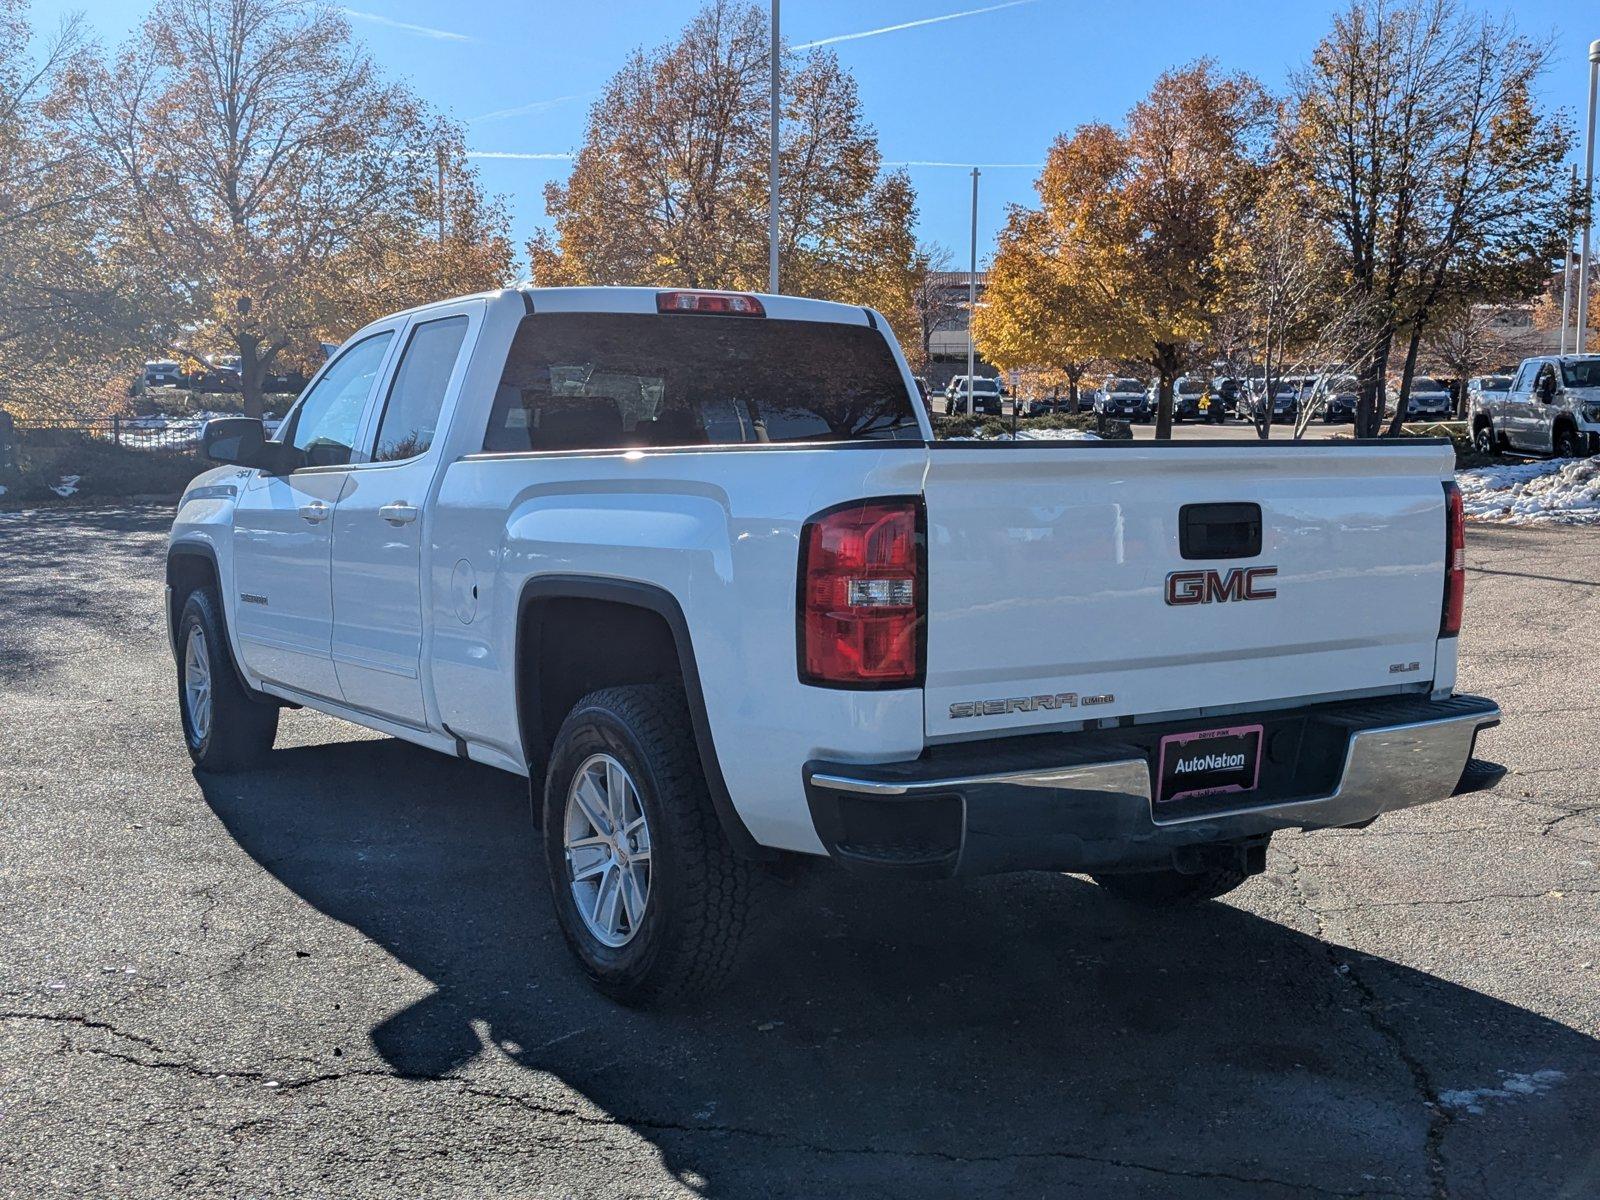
(1483, 439)
(1569, 443)
(701, 897)
(240, 728)
(1170, 889)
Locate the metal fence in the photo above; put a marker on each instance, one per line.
(170, 434)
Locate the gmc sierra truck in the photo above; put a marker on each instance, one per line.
(1552, 407)
(694, 564)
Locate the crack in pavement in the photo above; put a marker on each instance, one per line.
(1448, 902)
(1371, 1009)
(542, 1108)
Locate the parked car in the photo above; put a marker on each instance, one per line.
(1479, 384)
(1429, 400)
(1221, 400)
(1337, 395)
(611, 540)
(1061, 402)
(1187, 392)
(1284, 405)
(983, 392)
(159, 372)
(1552, 407)
(1125, 398)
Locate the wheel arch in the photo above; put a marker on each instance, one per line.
(191, 566)
(1564, 423)
(651, 616)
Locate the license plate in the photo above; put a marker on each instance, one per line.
(1209, 762)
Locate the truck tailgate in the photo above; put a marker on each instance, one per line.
(1050, 603)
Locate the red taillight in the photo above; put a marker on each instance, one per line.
(1455, 562)
(727, 304)
(861, 596)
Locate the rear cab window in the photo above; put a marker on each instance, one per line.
(600, 381)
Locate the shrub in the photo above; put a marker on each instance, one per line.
(104, 470)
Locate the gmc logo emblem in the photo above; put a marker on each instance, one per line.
(1213, 587)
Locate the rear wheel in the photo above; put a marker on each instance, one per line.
(653, 902)
(1168, 889)
(224, 726)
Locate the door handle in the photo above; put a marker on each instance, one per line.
(398, 513)
(316, 512)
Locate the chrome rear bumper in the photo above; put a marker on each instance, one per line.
(1092, 809)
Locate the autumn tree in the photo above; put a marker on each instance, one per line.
(1135, 225)
(1467, 339)
(935, 301)
(1424, 153)
(670, 184)
(1034, 316)
(64, 310)
(254, 165)
(1289, 312)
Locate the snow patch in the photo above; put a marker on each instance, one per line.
(1511, 1086)
(67, 487)
(1564, 491)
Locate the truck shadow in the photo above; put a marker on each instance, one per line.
(1014, 1034)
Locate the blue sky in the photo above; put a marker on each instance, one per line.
(993, 87)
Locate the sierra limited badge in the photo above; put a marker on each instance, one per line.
(1013, 704)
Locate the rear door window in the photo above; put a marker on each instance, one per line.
(411, 415)
(598, 381)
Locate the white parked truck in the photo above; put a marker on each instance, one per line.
(693, 563)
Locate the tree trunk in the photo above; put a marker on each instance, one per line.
(1406, 375)
(1166, 364)
(1261, 416)
(1369, 408)
(250, 373)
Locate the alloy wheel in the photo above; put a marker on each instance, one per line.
(197, 683)
(607, 842)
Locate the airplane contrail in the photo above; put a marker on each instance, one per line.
(866, 33)
(520, 156)
(536, 106)
(442, 35)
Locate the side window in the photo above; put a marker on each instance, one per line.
(325, 421)
(1524, 380)
(411, 413)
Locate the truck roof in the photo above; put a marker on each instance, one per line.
(643, 300)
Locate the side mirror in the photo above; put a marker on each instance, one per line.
(1547, 388)
(242, 442)
(237, 441)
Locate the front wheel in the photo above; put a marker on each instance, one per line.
(224, 727)
(1569, 443)
(1483, 438)
(653, 902)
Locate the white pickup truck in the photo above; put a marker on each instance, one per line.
(694, 564)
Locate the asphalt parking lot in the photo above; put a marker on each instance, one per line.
(340, 977)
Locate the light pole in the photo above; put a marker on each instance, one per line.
(972, 290)
(1566, 277)
(772, 166)
(1585, 263)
